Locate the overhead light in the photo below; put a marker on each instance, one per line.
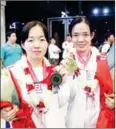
(95, 11)
(105, 11)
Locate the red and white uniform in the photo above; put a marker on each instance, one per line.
(49, 119)
(83, 111)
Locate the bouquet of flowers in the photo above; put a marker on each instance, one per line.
(23, 110)
(7, 88)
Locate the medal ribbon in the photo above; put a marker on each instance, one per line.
(34, 77)
(47, 72)
(84, 62)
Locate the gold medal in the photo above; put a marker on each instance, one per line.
(71, 65)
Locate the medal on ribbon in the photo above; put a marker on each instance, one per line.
(56, 79)
(71, 65)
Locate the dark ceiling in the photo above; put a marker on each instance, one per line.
(28, 10)
(23, 11)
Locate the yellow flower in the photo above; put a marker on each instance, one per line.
(7, 86)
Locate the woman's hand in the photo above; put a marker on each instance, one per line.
(66, 68)
(60, 69)
(110, 102)
(9, 114)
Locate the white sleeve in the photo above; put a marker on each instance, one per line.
(58, 49)
(105, 48)
(63, 95)
(64, 44)
(55, 48)
(66, 92)
(50, 50)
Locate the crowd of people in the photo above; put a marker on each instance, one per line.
(85, 97)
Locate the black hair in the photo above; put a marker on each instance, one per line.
(107, 35)
(77, 20)
(8, 34)
(50, 38)
(28, 26)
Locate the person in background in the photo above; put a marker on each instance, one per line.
(11, 52)
(67, 46)
(94, 40)
(109, 40)
(111, 56)
(111, 63)
(54, 52)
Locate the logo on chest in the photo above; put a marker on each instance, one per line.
(90, 74)
(39, 87)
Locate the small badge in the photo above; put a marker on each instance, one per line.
(38, 87)
(89, 74)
